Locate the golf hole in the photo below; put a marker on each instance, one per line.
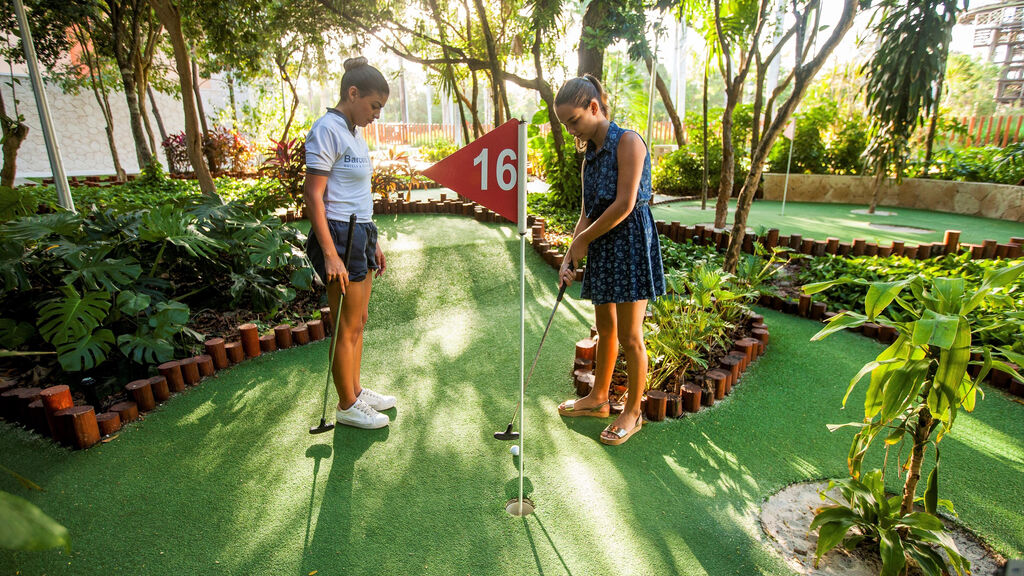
(516, 508)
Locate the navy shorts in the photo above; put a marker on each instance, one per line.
(364, 249)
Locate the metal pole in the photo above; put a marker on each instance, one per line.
(785, 187)
(521, 158)
(60, 180)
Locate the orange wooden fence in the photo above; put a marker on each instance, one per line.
(990, 130)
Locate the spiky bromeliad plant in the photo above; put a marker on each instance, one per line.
(917, 385)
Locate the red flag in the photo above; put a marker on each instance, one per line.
(485, 170)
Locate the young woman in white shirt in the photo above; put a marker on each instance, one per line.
(337, 186)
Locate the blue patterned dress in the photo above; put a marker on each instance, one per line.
(624, 264)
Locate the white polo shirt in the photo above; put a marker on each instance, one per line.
(340, 153)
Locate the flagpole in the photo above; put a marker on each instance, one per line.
(522, 176)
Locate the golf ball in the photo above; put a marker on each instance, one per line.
(514, 450)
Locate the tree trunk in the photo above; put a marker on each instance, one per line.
(930, 141)
(803, 74)
(666, 99)
(591, 57)
(231, 99)
(282, 64)
(99, 91)
(14, 133)
(728, 165)
(497, 78)
(876, 189)
(925, 425)
(548, 96)
(171, 19)
(142, 152)
(755, 126)
(207, 152)
(159, 125)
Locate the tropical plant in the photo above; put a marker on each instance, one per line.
(917, 386)
(438, 149)
(25, 526)
(981, 164)
(15, 202)
(865, 506)
(560, 171)
(392, 173)
(904, 78)
(702, 306)
(176, 153)
(999, 323)
(228, 150)
(287, 164)
(75, 283)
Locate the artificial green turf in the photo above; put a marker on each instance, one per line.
(820, 221)
(224, 479)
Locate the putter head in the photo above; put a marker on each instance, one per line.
(322, 427)
(508, 434)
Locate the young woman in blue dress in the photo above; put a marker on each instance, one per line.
(616, 234)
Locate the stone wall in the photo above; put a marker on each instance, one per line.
(81, 133)
(999, 201)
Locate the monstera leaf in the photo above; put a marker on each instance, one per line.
(94, 270)
(13, 333)
(166, 223)
(131, 303)
(85, 353)
(145, 348)
(73, 317)
(34, 228)
(268, 251)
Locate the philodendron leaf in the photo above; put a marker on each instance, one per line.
(26, 527)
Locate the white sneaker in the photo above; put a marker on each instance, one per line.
(361, 415)
(376, 401)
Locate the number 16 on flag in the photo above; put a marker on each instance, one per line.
(491, 171)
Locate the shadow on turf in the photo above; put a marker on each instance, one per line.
(331, 537)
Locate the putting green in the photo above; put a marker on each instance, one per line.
(224, 479)
(819, 221)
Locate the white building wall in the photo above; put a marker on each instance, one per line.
(78, 123)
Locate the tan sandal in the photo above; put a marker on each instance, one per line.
(568, 409)
(620, 435)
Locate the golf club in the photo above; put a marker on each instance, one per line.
(509, 434)
(324, 426)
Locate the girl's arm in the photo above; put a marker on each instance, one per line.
(632, 153)
(313, 195)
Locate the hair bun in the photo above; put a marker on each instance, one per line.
(357, 62)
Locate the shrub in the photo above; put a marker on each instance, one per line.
(563, 178)
(680, 172)
(287, 165)
(437, 150)
(984, 164)
(995, 316)
(226, 148)
(176, 152)
(76, 283)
